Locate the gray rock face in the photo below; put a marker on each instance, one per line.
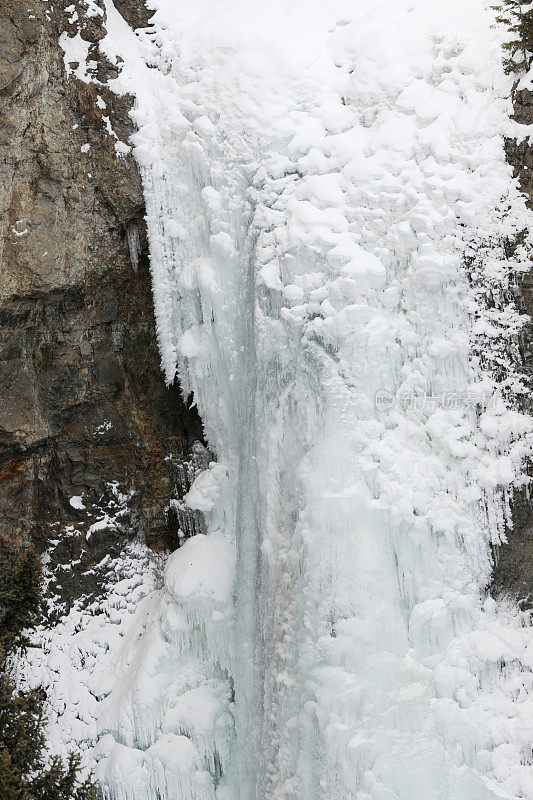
(83, 405)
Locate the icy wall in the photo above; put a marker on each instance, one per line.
(329, 206)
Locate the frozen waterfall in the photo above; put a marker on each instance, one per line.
(318, 177)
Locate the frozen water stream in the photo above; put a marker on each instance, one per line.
(315, 176)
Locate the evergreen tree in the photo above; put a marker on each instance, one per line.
(24, 773)
(518, 16)
(60, 782)
(19, 600)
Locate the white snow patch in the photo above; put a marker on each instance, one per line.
(77, 502)
(75, 51)
(204, 567)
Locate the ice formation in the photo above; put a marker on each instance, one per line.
(318, 177)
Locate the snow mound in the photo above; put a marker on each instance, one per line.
(203, 568)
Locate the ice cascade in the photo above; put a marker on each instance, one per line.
(328, 203)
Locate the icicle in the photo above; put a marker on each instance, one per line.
(134, 243)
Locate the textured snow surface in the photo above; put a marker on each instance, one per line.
(77, 661)
(317, 177)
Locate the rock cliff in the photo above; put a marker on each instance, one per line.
(84, 412)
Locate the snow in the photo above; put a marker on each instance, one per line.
(206, 488)
(103, 428)
(122, 149)
(77, 502)
(74, 661)
(202, 568)
(76, 50)
(319, 178)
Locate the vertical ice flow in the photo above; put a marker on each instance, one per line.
(318, 177)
